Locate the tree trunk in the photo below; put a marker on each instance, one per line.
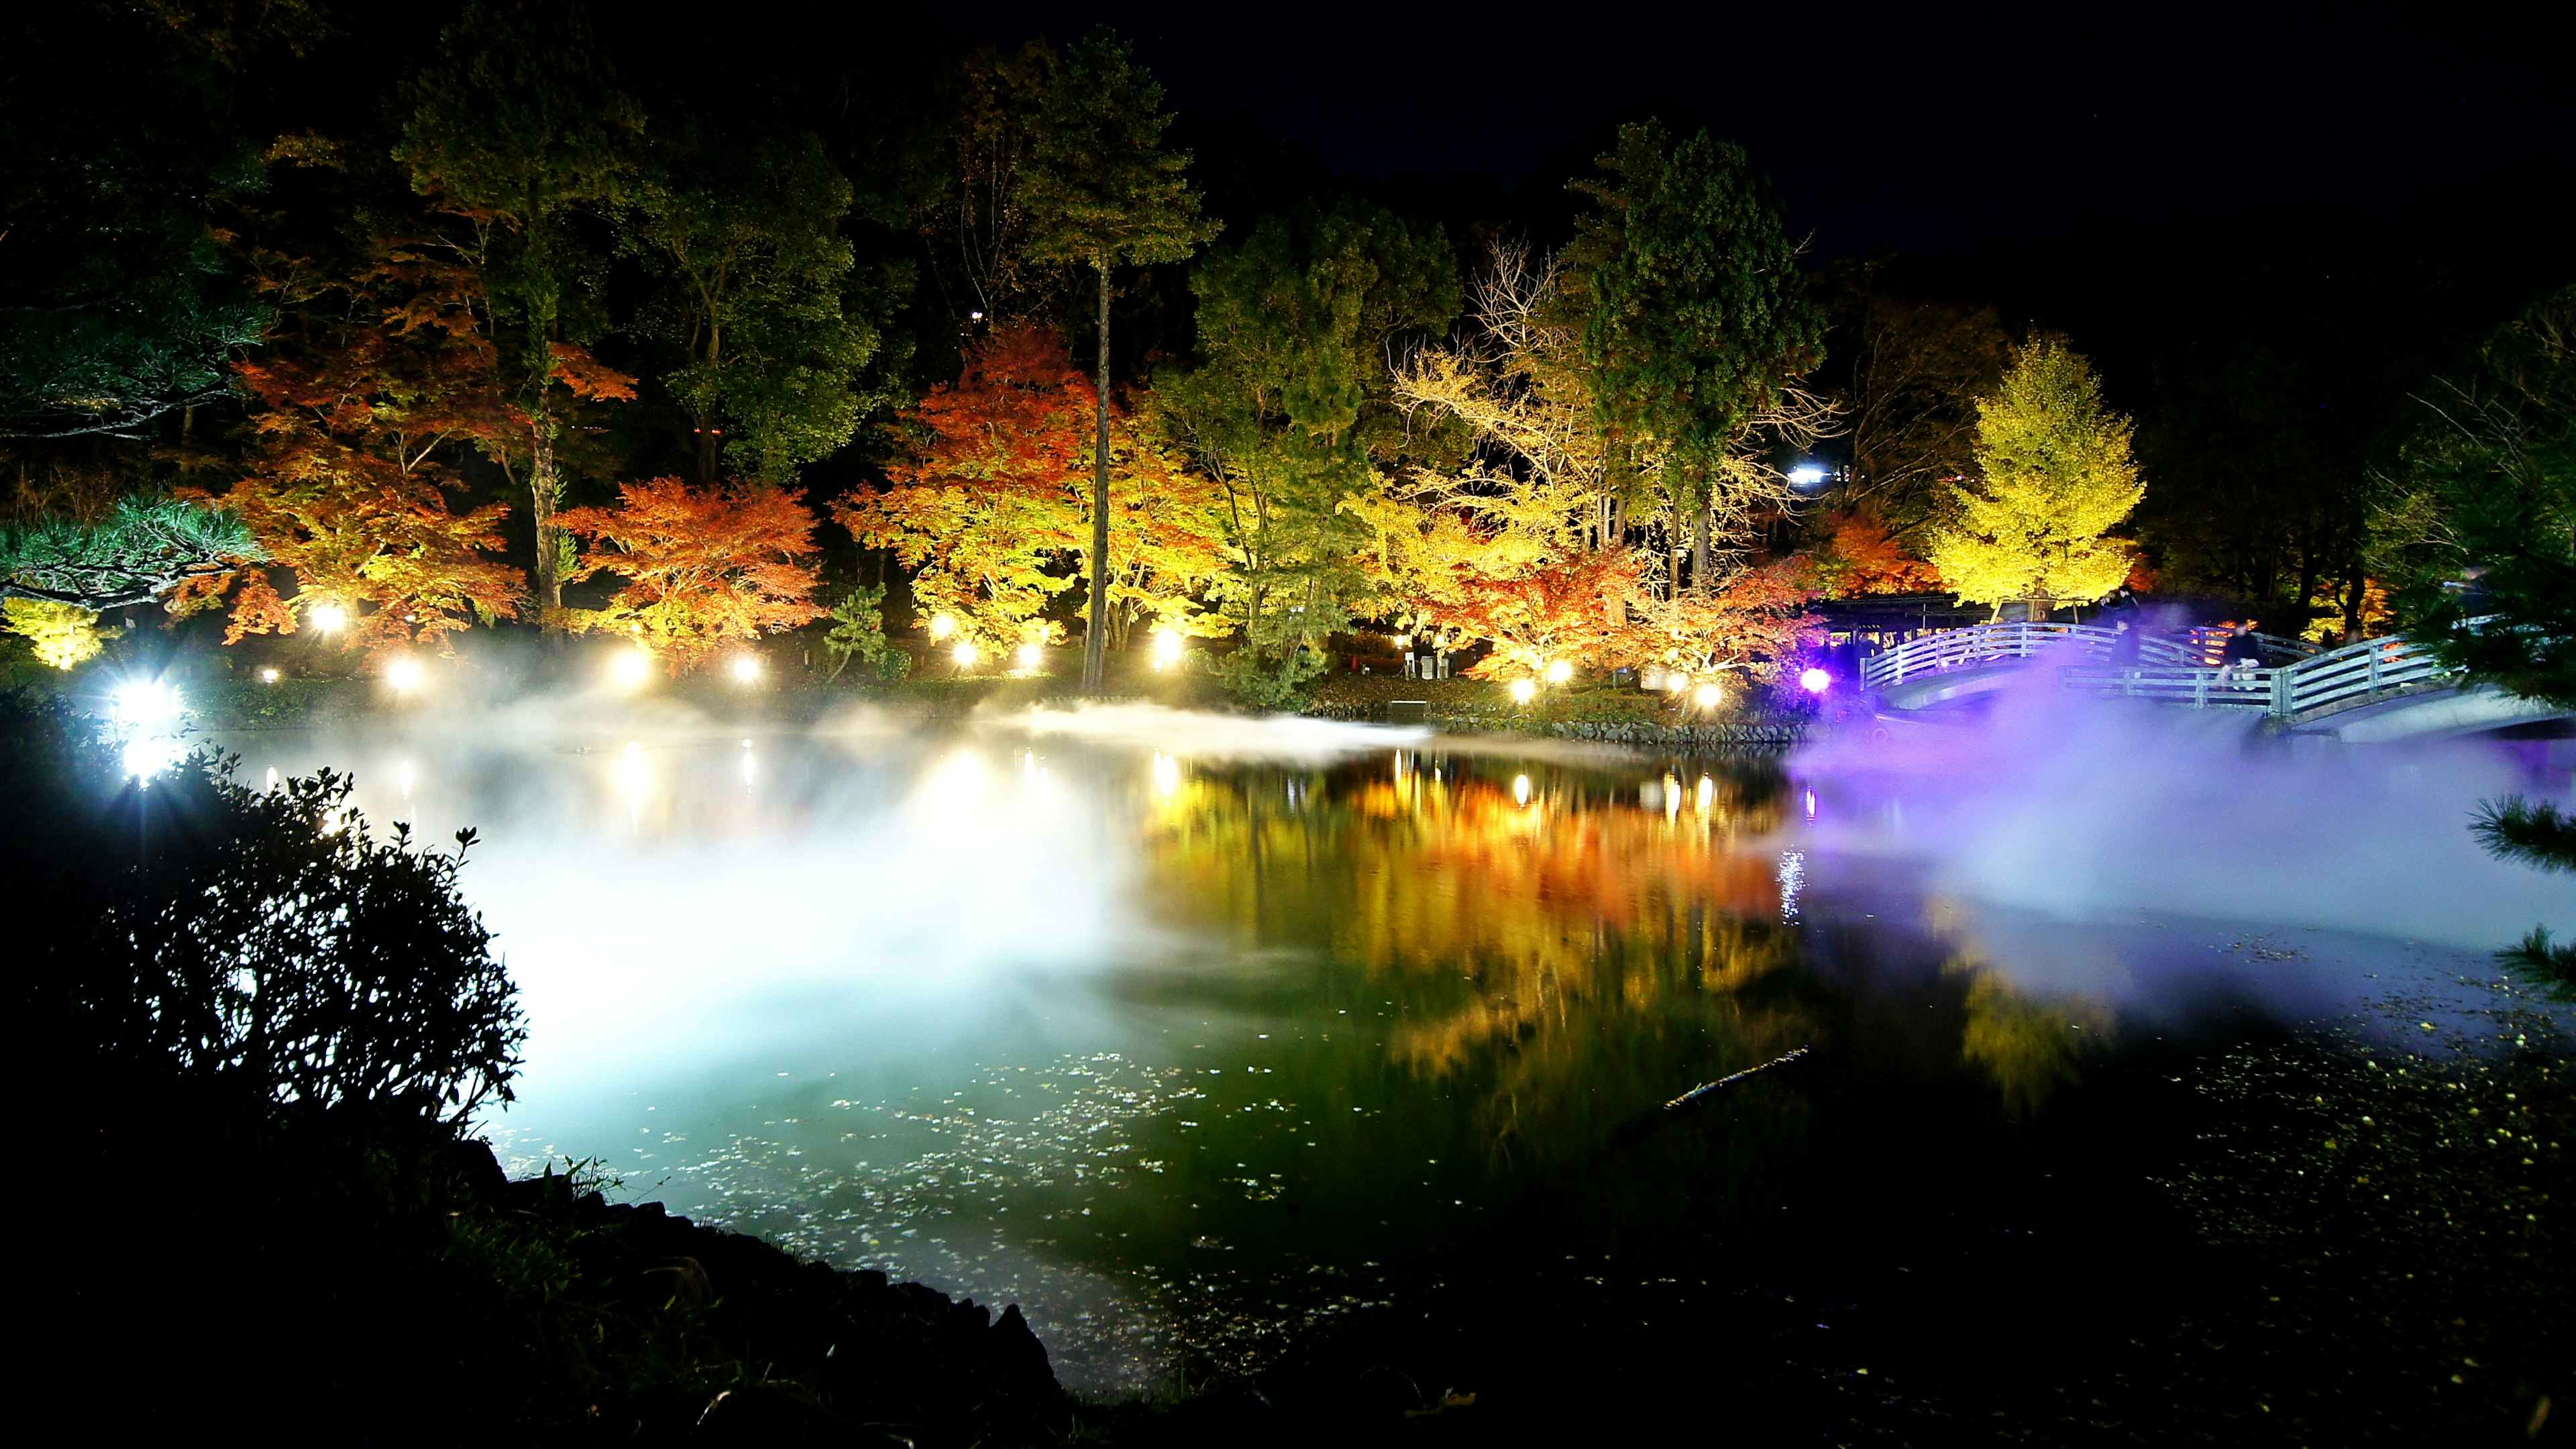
(1699, 552)
(1095, 638)
(2354, 586)
(545, 490)
(706, 455)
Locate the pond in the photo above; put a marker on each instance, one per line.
(1343, 1054)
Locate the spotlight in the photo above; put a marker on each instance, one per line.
(1816, 681)
(746, 669)
(1167, 648)
(630, 668)
(1807, 478)
(146, 714)
(268, 675)
(1708, 696)
(1559, 671)
(964, 654)
(1030, 656)
(941, 626)
(404, 674)
(327, 618)
(1524, 690)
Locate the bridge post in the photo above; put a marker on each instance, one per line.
(2284, 692)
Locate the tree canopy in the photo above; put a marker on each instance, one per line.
(2054, 476)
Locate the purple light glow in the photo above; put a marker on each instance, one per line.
(1816, 681)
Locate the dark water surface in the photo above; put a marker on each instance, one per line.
(1338, 1057)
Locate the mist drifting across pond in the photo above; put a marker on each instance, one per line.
(1067, 1007)
(2085, 809)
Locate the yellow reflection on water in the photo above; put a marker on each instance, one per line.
(1568, 948)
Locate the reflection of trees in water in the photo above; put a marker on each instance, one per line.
(1569, 962)
(2029, 1047)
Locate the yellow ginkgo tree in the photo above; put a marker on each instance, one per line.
(2054, 478)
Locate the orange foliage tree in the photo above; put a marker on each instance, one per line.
(363, 407)
(1753, 624)
(1573, 609)
(993, 512)
(703, 566)
(1861, 557)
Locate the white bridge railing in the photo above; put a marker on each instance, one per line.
(1992, 643)
(2352, 674)
(2180, 668)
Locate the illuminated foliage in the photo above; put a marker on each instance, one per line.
(364, 408)
(2055, 476)
(2030, 1049)
(993, 512)
(1859, 556)
(142, 551)
(63, 635)
(858, 632)
(1757, 622)
(703, 566)
(520, 134)
(1695, 328)
(1573, 611)
(1100, 191)
(1290, 412)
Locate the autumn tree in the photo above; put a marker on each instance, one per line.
(702, 567)
(364, 407)
(1101, 191)
(2054, 476)
(1695, 329)
(1859, 555)
(1571, 610)
(744, 236)
(1753, 625)
(519, 133)
(993, 509)
(1291, 411)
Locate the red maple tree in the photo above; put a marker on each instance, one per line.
(703, 566)
(380, 383)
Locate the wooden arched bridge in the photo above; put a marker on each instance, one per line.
(2377, 689)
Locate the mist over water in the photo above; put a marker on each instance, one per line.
(1191, 1032)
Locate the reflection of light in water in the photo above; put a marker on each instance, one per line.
(1793, 877)
(1707, 794)
(634, 777)
(1811, 804)
(960, 781)
(272, 777)
(1672, 797)
(402, 778)
(1520, 789)
(1167, 774)
(748, 769)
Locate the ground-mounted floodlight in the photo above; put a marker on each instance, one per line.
(745, 669)
(942, 625)
(1030, 656)
(145, 716)
(1167, 647)
(1559, 671)
(327, 618)
(1524, 690)
(630, 668)
(404, 674)
(269, 675)
(1808, 478)
(1709, 695)
(1815, 681)
(963, 655)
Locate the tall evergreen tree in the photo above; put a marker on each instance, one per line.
(1100, 191)
(1693, 313)
(520, 132)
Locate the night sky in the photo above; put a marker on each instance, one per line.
(1922, 127)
